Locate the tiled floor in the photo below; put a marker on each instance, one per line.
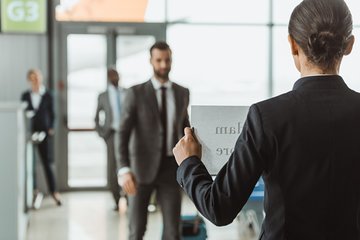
(89, 216)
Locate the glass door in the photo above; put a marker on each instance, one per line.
(89, 51)
(86, 78)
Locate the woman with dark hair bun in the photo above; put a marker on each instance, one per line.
(305, 143)
(322, 31)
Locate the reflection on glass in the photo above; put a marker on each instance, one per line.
(221, 65)
(132, 59)
(87, 160)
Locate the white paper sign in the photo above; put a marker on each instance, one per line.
(217, 129)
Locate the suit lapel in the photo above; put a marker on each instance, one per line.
(177, 99)
(28, 96)
(42, 100)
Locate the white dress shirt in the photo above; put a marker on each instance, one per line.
(114, 94)
(35, 97)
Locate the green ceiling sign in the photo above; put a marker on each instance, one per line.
(23, 16)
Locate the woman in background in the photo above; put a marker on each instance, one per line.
(40, 104)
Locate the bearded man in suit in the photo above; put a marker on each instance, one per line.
(154, 116)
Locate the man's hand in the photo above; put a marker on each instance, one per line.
(51, 132)
(186, 147)
(128, 183)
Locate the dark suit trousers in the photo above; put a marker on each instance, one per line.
(45, 153)
(112, 169)
(169, 198)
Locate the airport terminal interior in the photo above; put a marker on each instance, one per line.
(226, 52)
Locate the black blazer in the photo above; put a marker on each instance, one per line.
(44, 116)
(306, 146)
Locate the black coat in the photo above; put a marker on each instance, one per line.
(306, 146)
(43, 119)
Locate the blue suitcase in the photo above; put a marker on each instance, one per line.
(193, 227)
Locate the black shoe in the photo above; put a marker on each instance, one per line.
(58, 203)
(116, 208)
(56, 197)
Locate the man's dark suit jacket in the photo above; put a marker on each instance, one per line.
(141, 129)
(104, 126)
(306, 146)
(43, 119)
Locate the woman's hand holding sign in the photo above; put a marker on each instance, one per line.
(187, 146)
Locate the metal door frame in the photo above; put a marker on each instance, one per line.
(60, 34)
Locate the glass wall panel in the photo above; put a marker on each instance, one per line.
(87, 160)
(133, 59)
(218, 11)
(86, 77)
(221, 65)
(284, 71)
(283, 10)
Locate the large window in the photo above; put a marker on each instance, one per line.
(222, 65)
(282, 10)
(236, 52)
(284, 71)
(238, 48)
(218, 11)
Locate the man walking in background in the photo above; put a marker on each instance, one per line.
(154, 116)
(107, 123)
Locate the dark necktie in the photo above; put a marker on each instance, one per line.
(163, 115)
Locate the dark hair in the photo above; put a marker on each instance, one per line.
(111, 71)
(160, 45)
(321, 28)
